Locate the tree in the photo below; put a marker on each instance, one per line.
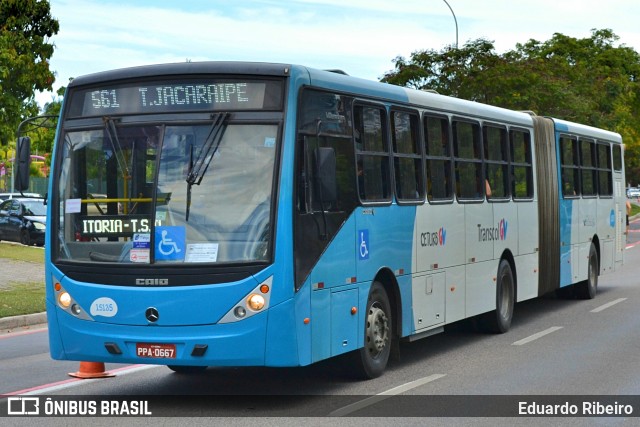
(25, 29)
(591, 81)
(43, 131)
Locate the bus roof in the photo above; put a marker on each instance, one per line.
(424, 99)
(588, 131)
(182, 68)
(332, 80)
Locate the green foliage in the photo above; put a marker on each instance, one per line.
(592, 81)
(25, 29)
(21, 252)
(43, 142)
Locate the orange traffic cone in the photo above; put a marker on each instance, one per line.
(91, 370)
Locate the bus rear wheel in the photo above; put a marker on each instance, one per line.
(499, 321)
(371, 360)
(587, 289)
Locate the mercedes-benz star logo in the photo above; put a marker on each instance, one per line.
(152, 314)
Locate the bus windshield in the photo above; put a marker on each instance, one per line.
(179, 193)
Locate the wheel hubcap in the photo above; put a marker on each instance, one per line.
(377, 330)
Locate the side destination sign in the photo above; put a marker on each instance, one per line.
(114, 225)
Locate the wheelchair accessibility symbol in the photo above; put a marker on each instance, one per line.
(363, 244)
(170, 242)
(167, 246)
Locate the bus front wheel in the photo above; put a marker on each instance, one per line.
(371, 360)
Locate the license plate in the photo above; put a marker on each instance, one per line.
(156, 351)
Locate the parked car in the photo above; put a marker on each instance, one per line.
(23, 220)
(633, 192)
(5, 196)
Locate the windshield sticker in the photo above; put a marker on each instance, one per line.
(104, 307)
(161, 216)
(142, 241)
(202, 252)
(170, 243)
(72, 205)
(269, 142)
(140, 255)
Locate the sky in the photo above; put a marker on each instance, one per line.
(360, 37)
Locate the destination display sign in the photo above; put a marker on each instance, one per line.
(177, 96)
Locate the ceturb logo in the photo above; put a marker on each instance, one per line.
(493, 233)
(436, 238)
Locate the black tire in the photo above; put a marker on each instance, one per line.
(587, 289)
(186, 369)
(499, 321)
(24, 238)
(371, 360)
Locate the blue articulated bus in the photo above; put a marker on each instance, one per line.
(250, 214)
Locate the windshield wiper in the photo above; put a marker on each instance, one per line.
(198, 168)
(112, 133)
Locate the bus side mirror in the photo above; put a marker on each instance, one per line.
(21, 164)
(327, 186)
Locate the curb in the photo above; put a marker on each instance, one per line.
(22, 321)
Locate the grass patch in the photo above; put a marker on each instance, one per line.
(21, 298)
(22, 253)
(635, 209)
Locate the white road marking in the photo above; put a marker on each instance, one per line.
(607, 305)
(61, 385)
(346, 410)
(538, 335)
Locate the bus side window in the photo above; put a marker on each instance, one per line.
(325, 122)
(470, 184)
(496, 162)
(570, 166)
(605, 186)
(372, 154)
(617, 158)
(521, 165)
(438, 153)
(407, 157)
(588, 167)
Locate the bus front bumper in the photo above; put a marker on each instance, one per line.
(232, 344)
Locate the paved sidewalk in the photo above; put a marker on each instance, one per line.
(20, 271)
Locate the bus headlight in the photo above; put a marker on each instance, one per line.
(255, 302)
(66, 302)
(64, 299)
